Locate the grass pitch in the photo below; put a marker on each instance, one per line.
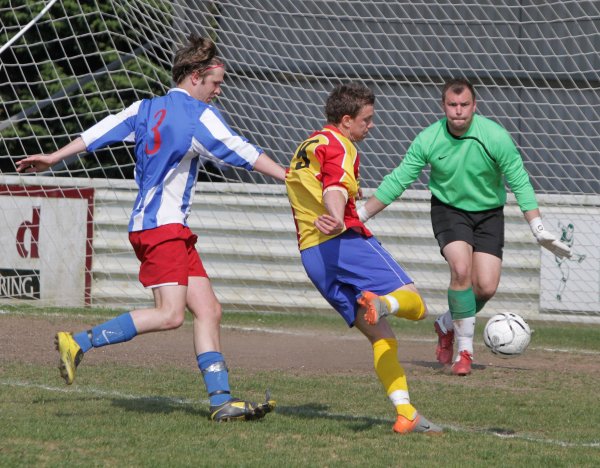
(134, 415)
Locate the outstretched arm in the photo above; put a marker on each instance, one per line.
(370, 209)
(42, 162)
(545, 238)
(265, 165)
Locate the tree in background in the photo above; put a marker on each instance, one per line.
(48, 73)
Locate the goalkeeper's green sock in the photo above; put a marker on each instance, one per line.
(463, 307)
(480, 304)
(461, 303)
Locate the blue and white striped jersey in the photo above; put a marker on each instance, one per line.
(170, 133)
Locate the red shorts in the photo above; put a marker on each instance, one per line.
(167, 254)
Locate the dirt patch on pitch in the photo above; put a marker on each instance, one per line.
(30, 339)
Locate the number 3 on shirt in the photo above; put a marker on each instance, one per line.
(160, 116)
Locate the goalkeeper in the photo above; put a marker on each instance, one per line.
(348, 266)
(170, 133)
(470, 158)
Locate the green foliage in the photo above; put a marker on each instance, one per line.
(52, 64)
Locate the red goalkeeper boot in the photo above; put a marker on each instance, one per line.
(462, 367)
(445, 346)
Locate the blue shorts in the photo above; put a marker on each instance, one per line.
(342, 267)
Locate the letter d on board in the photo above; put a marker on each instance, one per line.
(34, 227)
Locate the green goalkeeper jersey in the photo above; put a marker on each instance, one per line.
(467, 172)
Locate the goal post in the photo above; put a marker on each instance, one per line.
(66, 65)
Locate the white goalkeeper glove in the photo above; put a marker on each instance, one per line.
(549, 240)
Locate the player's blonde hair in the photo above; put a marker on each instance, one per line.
(198, 55)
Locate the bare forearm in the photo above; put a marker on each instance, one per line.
(532, 214)
(332, 222)
(75, 147)
(370, 208)
(265, 165)
(41, 162)
(335, 204)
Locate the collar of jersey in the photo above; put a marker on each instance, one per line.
(180, 90)
(333, 129)
(464, 135)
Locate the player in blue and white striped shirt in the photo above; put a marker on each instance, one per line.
(171, 133)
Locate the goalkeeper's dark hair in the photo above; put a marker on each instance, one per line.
(198, 55)
(457, 86)
(347, 99)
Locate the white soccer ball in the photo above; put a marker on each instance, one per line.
(507, 335)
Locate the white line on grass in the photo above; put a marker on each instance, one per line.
(101, 393)
(279, 331)
(188, 402)
(526, 437)
(404, 338)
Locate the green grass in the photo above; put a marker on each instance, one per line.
(135, 416)
(559, 335)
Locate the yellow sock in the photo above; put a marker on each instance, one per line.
(404, 303)
(391, 374)
(407, 410)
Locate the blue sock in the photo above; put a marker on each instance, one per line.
(216, 377)
(83, 340)
(116, 330)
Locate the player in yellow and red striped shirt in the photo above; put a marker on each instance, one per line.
(348, 266)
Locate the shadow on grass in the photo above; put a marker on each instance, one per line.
(158, 405)
(161, 405)
(510, 364)
(441, 367)
(321, 411)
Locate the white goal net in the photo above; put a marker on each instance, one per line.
(64, 65)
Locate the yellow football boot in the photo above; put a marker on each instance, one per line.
(70, 355)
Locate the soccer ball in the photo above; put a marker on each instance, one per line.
(507, 335)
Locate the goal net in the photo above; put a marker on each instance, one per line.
(66, 65)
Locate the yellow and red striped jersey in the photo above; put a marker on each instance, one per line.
(325, 159)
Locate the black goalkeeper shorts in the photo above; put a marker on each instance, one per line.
(484, 230)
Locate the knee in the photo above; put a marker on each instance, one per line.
(484, 292)
(424, 311)
(418, 309)
(217, 312)
(173, 317)
(461, 274)
(211, 313)
(486, 295)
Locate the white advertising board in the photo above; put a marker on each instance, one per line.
(46, 244)
(571, 284)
